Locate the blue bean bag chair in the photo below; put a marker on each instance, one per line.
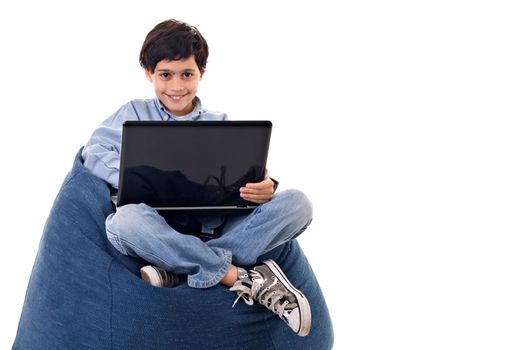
(84, 294)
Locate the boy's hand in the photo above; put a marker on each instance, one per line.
(260, 192)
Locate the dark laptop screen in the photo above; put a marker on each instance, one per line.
(191, 164)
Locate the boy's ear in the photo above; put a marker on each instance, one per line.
(148, 74)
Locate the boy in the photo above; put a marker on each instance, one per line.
(174, 56)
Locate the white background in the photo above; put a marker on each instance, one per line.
(402, 121)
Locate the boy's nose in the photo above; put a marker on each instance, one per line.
(177, 87)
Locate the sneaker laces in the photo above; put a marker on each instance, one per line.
(246, 287)
(272, 300)
(250, 289)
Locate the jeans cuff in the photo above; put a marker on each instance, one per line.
(195, 282)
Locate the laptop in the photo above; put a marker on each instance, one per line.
(192, 166)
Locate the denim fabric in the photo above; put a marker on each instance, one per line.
(137, 230)
(84, 294)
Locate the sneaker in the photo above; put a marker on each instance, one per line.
(158, 277)
(268, 285)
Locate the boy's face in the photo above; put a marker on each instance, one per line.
(175, 84)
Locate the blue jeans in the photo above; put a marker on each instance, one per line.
(138, 230)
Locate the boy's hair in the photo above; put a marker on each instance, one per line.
(173, 40)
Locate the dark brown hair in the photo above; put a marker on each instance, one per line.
(173, 40)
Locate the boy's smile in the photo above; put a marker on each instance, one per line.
(176, 83)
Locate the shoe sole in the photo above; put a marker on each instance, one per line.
(304, 307)
(150, 276)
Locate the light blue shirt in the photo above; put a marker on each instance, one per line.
(102, 152)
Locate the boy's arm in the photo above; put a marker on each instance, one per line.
(102, 152)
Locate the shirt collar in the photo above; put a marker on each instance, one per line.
(193, 115)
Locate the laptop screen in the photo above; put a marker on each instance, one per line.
(191, 164)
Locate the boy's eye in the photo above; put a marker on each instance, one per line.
(165, 75)
(187, 75)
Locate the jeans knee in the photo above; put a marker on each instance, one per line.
(126, 218)
(299, 205)
(122, 227)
